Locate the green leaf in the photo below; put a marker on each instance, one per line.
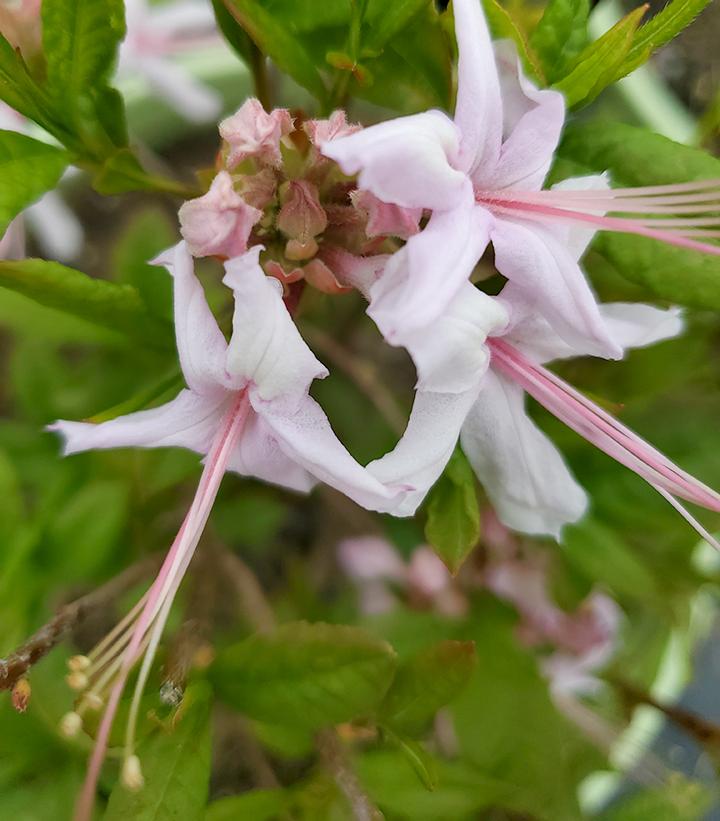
(309, 675)
(277, 40)
(256, 805)
(597, 65)
(148, 232)
(176, 766)
(666, 24)
(80, 42)
(237, 37)
(387, 21)
(107, 304)
(418, 757)
(28, 168)
(429, 681)
(453, 513)
(635, 156)
(20, 91)
(504, 26)
(561, 35)
(601, 556)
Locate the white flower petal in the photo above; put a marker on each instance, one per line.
(634, 325)
(200, 342)
(188, 421)
(532, 121)
(266, 348)
(522, 471)
(478, 110)
(451, 355)
(407, 161)
(303, 432)
(420, 456)
(258, 454)
(424, 276)
(532, 257)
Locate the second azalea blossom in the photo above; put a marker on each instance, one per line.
(480, 175)
(246, 409)
(519, 467)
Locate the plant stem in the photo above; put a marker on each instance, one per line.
(17, 664)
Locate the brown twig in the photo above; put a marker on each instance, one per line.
(17, 664)
(703, 731)
(336, 762)
(363, 373)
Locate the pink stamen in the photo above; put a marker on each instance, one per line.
(166, 584)
(701, 200)
(625, 226)
(606, 433)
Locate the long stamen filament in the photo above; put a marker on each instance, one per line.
(607, 434)
(159, 599)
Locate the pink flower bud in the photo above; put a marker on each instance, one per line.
(218, 223)
(320, 276)
(252, 132)
(258, 189)
(301, 219)
(385, 219)
(427, 573)
(335, 126)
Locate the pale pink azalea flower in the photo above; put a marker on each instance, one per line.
(246, 409)
(253, 132)
(481, 175)
(379, 573)
(156, 33)
(521, 470)
(218, 223)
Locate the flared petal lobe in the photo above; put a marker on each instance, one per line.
(520, 469)
(420, 456)
(422, 278)
(200, 342)
(532, 123)
(531, 257)
(188, 421)
(478, 109)
(266, 348)
(407, 161)
(304, 434)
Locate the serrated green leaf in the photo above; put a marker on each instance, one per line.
(424, 684)
(256, 805)
(635, 156)
(309, 675)
(503, 25)
(561, 35)
(176, 766)
(666, 24)
(453, 513)
(107, 304)
(273, 37)
(597, 65)
(28, 168)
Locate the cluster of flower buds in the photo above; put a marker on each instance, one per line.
(275, 188)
